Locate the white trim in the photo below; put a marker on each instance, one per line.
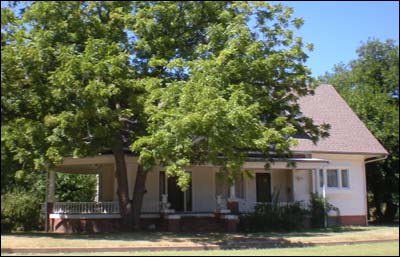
(196, 214)
(97, 216)
(150, 215)
(223, 211)
(230, 217)
(84, 216)
(173, 217)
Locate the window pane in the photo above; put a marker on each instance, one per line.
(345, 178)
(332, 178)
(321, 178)
(239, 187)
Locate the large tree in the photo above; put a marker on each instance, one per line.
(181, 82)
(370, 85)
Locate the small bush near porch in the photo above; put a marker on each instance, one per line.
(273, 217)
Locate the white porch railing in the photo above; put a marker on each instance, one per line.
(86, 207)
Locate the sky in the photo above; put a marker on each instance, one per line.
(337, 28)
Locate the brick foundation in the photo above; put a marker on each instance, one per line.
(232, 225)
(84, 225)
(194, 224)
(233, 206)
(49, 207)
(62, 225)
(360, 220)
(174, 225)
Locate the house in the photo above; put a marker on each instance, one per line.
(334, 168)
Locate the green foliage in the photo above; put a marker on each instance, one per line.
(20, 211)
(319, 209)
(370, 85)
(75, 188)
(180, 82)
(238, 91)
(274, 217)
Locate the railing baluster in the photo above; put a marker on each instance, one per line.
(86, 207)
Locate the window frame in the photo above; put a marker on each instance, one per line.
(337, 178)
(340, 184)
(348, 178)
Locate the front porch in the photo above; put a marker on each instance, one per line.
(208, 205)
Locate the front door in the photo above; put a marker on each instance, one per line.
(263, 187)
(180, 201)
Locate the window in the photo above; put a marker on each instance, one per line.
(345, 178)
(333, 178)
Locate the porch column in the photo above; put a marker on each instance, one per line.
(232, 202)
(52, 187)
(232, 192)
(97, 197)
(294, 184)
(314, 187)
(324, 196)
(317, 182)
(50, 198)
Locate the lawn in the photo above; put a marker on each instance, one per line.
(304, 238)
(374, 249)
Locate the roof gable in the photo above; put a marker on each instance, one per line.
(348, 134)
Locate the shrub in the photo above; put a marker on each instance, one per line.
(274, 217)
(20, 211)
(319, 209)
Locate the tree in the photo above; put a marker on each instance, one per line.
(181, 82)
(370, 86)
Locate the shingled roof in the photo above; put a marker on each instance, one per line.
(348, 134)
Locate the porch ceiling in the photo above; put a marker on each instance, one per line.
(78, 169)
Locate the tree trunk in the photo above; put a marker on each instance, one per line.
(122, 180)
(390, 210)
(139, 191)
(378, 206)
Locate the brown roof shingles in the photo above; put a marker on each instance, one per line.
(348, 134)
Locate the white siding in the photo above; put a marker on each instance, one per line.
(203, 189)
(302, 185)
(151, 197)
(351, 201)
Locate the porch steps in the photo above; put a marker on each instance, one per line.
(202, 224)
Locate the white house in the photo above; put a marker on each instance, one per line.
(334, 168)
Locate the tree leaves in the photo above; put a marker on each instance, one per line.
(183, 82)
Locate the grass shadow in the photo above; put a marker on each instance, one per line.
(223, 240)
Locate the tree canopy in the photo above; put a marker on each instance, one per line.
(180, 82)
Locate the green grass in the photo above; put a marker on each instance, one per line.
(374, 249)
(42, 239)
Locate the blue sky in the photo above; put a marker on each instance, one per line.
(337, 28)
